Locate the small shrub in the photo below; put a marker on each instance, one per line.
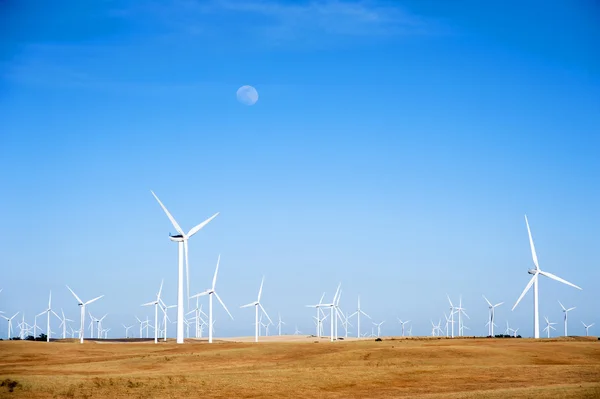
(378, 340)
(10, 384)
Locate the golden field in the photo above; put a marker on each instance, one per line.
(293, 367)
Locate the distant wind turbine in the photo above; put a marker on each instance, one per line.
(587, 327)
(83, 305)
(257, 305)
(492, 316)
(210, 293)
(48, 311)
(566, 312)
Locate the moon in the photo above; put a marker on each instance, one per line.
(247, 95)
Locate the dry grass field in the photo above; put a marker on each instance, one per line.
(411, 368)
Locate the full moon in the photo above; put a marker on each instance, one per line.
(247, 95)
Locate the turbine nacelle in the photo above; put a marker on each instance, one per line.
(177, 238)
(532, 271)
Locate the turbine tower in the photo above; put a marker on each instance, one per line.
(534, 281)
(182, 240)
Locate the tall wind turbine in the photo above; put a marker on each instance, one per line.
(127, 330)
(155, 303)
(492, 314)
(182, 240)
(566, 312)
(9, 319)
(257, 305)
(534, 281)
(357, 313)
(210, 293)
(587, 327)
(48, 311)
(83, 305)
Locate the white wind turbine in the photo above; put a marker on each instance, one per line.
(141, 326)
(279, 324)
(127, 330)
(182, 240)
(448, 320)
(9, 319)
(63, 324)
(165, 308)
(378, 327)
(257, 305)
(210, 293)
(331, 307)
(297, 332)
(461, 311)
(100, 325)
(357, 313)
(548, 327)
(534, 281)
(587, 327)
(403, 324)
(318, 318)
(48, 311)
(155, 303)
(490, 323)
(566, 312)
(83, 305)
(452, 311)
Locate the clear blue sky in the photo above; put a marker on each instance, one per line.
(395, 147)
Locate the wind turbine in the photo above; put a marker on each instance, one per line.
(461, 311)
(318, 318)
(331, 307)
(127, 330)
(155, 303)
(83, 305)
(100, 326)
(548, 326)
(141, 326)
(378, 327)
(587, 327)
(357, 313)
(279, 323)
(491, 320)
(210, 293)
(165, 308)
(257, 305)
(63, 324)
(182, 240)
(534, 281)
(9, 319)
(48, 311)
(566, 312)
(403, 323)
(452, 311)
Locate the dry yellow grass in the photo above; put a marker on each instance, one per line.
(411, 368)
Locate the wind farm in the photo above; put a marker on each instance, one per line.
(299, 199)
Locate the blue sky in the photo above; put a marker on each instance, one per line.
(395, 147)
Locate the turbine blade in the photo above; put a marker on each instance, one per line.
(265, 312)
(527, 287)
(216, 271)
(260, 289)
(223, 304)
(93, 300)
(561, 305)
(366, 314)
(160, 290)
(197, 228)
(568, 310)
(75, 295)
(498, 304)
(173, 221)
(489, 303)
(533, 254)
(149, 303)
(552, 276)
